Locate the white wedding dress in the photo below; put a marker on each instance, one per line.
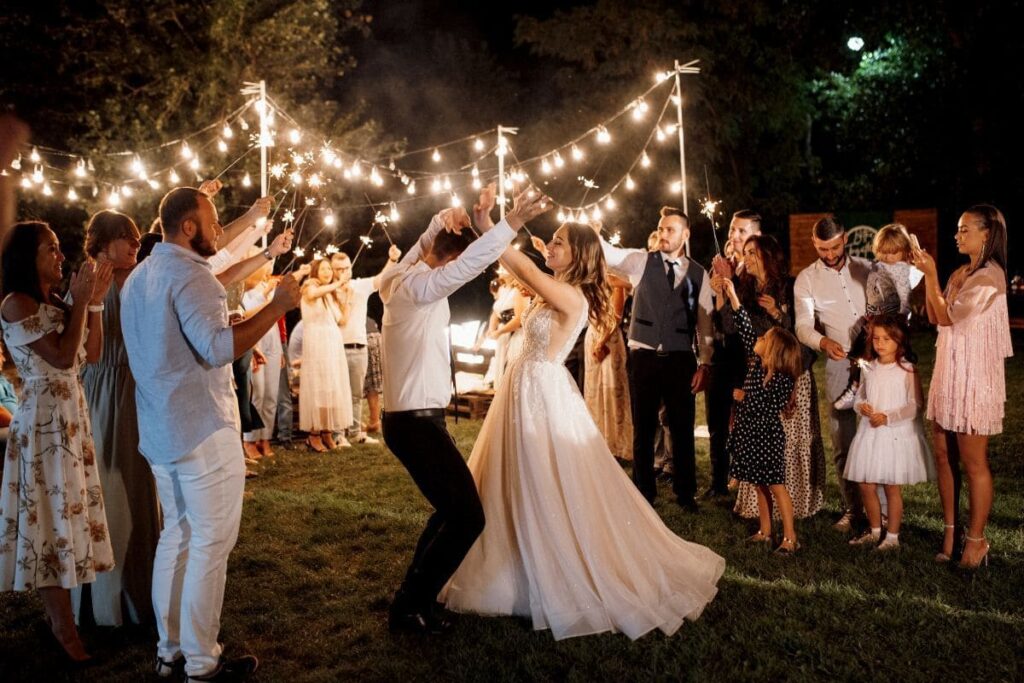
(569, 541)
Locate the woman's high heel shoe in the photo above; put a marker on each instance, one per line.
(982, 559)
(317, 447)
(944, 557)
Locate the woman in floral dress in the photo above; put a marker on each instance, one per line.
(53, 533)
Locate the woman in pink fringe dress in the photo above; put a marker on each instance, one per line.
(968, 387)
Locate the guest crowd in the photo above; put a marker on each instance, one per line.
(109, 508)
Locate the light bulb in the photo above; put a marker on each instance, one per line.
(603, 136)
(577, 153)
(194, 164)
(174, 177)
(34, 156)
(411, 189)
(227, 132)
(47, 190)
(246, 181)
(186, 151)
(80, 171)
(114, 199)
(221, 145)
(447, 183)
(456, 202)
(37, 175)
(477, 184)
(72, 195)
(153, 184)
(475, 172)
(394, 212)
(127, 191)
(609, 203)
(357, 170)
(26, 183)
(435, 186)
(559, 162)
(645, 160)
(545, 167)
(676, 187)
(660, 134)
(296, 178)
(560, 216)
(436, 156)
(630, 185)
(478, 145)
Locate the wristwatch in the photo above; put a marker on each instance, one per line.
(267, 255)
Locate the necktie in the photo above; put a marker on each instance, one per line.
(671, 275)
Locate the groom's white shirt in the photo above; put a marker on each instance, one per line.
(415, 352)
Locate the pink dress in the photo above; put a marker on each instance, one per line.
(968, 387)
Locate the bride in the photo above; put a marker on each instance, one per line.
(569, 541)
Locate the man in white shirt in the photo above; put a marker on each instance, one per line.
(829, 294)
(175, 324)
(418, 388)
(353, 297)
(672, 307)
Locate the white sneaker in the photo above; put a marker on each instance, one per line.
(887, 545)
(845, 523)
(363, 437)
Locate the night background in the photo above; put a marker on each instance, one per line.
(784, 117)
(861, 109)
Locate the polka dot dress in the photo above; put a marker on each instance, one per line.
(757, 443)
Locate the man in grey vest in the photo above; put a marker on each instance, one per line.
(672, 309)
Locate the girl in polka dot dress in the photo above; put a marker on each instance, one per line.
(757, 443)
(890, 448)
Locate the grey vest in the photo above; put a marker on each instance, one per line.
(662, 316)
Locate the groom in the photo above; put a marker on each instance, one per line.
(418, 387)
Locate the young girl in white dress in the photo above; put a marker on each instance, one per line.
(569, 540)
(890, 448)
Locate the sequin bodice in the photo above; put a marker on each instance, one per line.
(538, 322)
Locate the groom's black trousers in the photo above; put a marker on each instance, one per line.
(421, 441)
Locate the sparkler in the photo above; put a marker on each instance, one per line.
(710, 209)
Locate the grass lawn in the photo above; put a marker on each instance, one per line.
(325, 541)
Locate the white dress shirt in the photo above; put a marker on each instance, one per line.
(833, 298)
(415, 349)
(631, 263)
(354, 331)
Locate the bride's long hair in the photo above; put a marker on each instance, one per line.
(589, 272)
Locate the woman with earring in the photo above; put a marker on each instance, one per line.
(968, 386)
(53, 527)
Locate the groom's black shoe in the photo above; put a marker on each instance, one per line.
(425, 622)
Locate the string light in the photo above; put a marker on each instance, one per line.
(676, 187)
(114, 199)
(174, 177)
(72, 195)
(630, 185)
(609, 203)
(37, 175)
(127, 191)
(153, 184)
(595, 213)
(294, 136)
(34, 156)
(227, 132)
(475, 172)
(47, 190)
(456, 202)
(660, 135)
(640, 109)
(394, 212)
(645, 160)
(26, 183)
(577, 153)
(80, 171)
(194, 164)
(478, 145)
(447, 184)
(435, 185)
(137, 167)
(411, 189)
(186, 151)
(246, 181)
(375, 177)
(221, 145)
(545, 167)
(436, 156)
(603, 136)
(559, 162)
(357, 169)
(477, 184)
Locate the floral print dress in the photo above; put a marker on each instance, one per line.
(53, 528)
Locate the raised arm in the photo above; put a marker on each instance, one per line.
(282, 244)
(394, 253)
(935, 300)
